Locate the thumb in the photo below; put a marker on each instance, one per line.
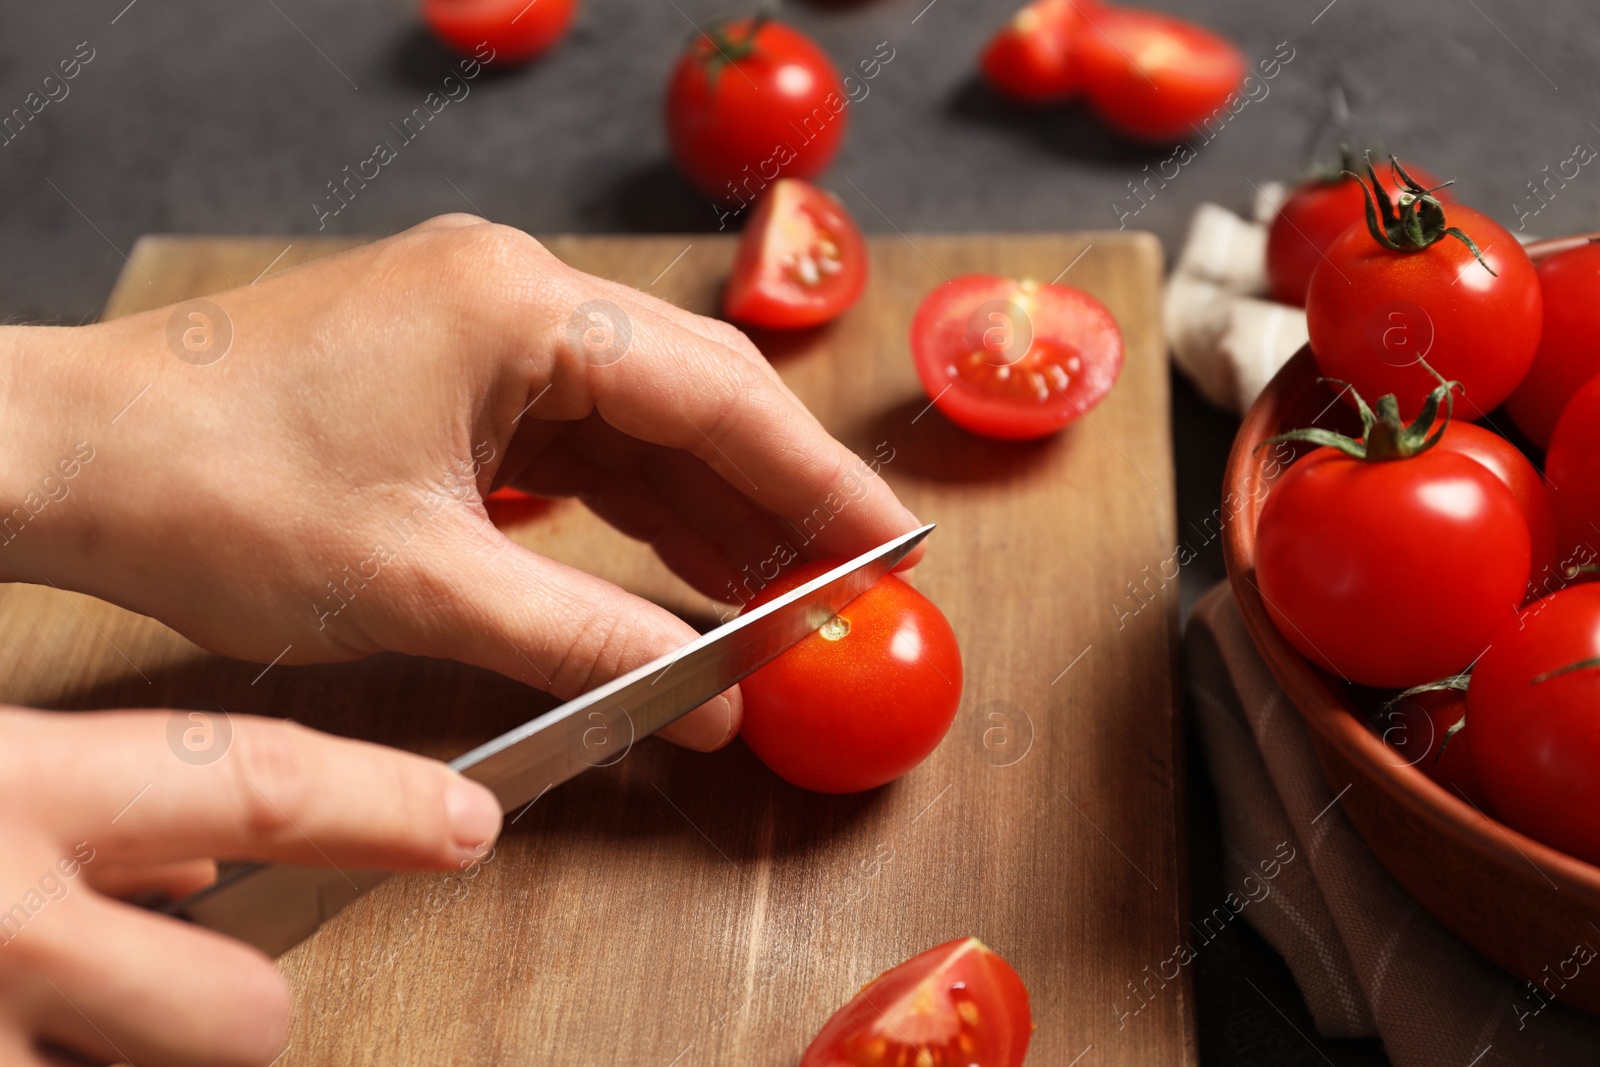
(559, 629)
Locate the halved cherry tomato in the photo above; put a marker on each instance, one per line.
(957, 1005)
(1032, 59)
(751, 101)
(1317, 212)
(1536, 726)
(1014, 359)
(1572, 471)
(517, 30)
(801, 260)
(1154, 76)
(1375, 313)
(863, 700)
(1568, 353)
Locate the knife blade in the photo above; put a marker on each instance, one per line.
(276, 906)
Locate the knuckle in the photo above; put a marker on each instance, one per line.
(273, 779)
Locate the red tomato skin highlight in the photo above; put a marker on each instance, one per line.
(1033, 58)
(1370, 310)
(1568, 353)
(1527, 485)
(853, 713)
(1395, 573)
(515, 30)
(1572, 472)
(779, 112)
(1536, 746)
(893, 1009)
(1156, 77)
(1315, 214)
(761, 291)
(945, 334)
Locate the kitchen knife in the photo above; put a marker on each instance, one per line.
(276, 906)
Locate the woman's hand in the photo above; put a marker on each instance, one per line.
(103, 805)
(315, 491)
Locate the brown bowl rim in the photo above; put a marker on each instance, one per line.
(1326, 711)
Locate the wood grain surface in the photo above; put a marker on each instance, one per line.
(678, 908)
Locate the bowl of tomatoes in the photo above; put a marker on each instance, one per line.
(1488, 820)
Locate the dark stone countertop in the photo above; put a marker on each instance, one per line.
(230, 118)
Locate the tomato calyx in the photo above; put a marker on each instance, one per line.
(1384, 435)
(734, 39)
(1455, 683)
(1581, 665)
(1418, 223)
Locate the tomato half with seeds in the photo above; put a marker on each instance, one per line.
(1568, 355)
(802, 261)
(515, 29)
(956, 1005)
(1014, 359)
(1154, 76)
(863, 700)
(1315, 214)
(1032, 59)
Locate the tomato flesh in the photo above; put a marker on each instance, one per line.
(1014, 359)
(955, 1005)
(1568, 355)
(863, 700)
(1372, 312)
(1032, 59)
(1536, 744)
(516, 29)
(1391, 573)
(1572, 471)
(1313, 216)
(777, 110)
(802, 261)
(1153, 76)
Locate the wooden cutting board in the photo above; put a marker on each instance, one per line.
(679, 908)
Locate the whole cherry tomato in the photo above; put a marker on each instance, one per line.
(1153, 76)
(517, 30)
(1014, 359)
(1452, 288)
(957, 1005)
(1572, 471)
(1526, 485)
(801, 260)
(1319, 210)
(1033, 58)
(751, 101)
(1389, 560)
(861, 701)
(1535, 721)
(1568, 355)
(1418, 729)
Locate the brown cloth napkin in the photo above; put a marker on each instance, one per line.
(1368, 959)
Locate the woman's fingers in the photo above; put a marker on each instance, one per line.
(171, 881)
(156, 787)
(555, 627)
(118, 984)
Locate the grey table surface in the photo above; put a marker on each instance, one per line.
(199, 117)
